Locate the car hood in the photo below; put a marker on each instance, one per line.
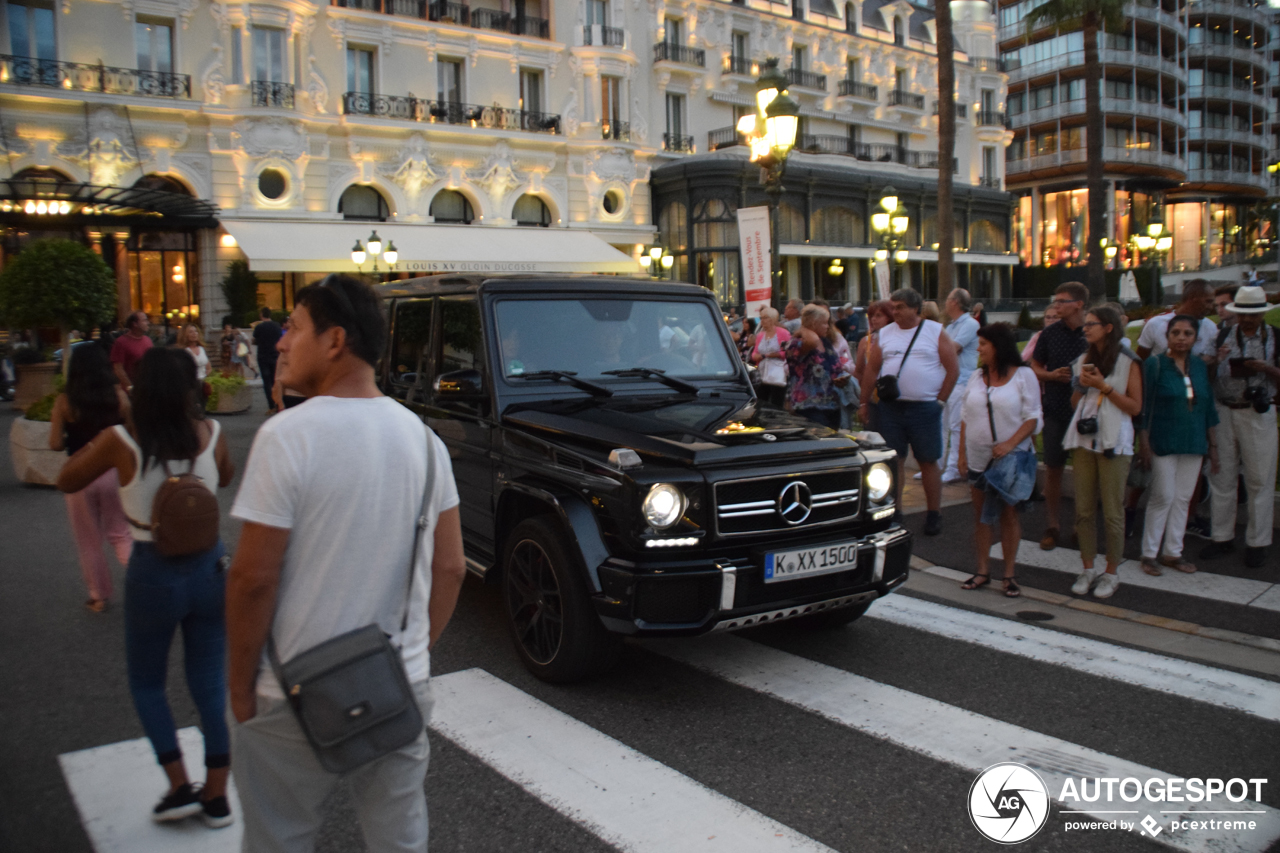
(679, 429)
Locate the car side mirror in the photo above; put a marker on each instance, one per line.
(459, 385)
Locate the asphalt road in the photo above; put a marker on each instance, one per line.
(841, 786)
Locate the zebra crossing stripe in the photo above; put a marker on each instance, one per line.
(947, 733)
(1202, 683)
(620, 795)
(1208, 585)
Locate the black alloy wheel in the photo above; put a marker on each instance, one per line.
(533, 601)
(555, 627)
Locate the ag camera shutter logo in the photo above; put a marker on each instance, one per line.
(1008, 803)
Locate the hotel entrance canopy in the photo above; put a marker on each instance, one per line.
(274, 246)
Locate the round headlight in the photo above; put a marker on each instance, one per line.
(663, 506)
(879, 481)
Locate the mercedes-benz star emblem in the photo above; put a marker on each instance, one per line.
(795, 502)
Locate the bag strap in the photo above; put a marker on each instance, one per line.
(274, 657)
(991, 415)
(907, 354)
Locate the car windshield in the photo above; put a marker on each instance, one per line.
(594, 338)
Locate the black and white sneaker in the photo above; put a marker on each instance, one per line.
(182, 803)
(217, 813)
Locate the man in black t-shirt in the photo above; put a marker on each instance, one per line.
(266, 335)
(1057, 347)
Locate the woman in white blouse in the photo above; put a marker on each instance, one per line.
(193, 343)
(1004, 395)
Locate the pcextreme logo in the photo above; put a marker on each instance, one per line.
(1008, 803)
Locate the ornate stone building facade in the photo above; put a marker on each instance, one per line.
(179, 135)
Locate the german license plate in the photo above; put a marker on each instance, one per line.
(788, 565)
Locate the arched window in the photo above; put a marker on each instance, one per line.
(929, 232)
(673, 227)
(162, 183)
(714, 224)
(36, 173)
(790, 224)
(986, 236)
(531, 210)
(836, 226)
(364, 203)
(452, 206)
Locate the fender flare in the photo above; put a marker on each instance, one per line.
(578, 521)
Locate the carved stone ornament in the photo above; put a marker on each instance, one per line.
(221, 17)
(497, 175)
(639, 126)
(317, 89)
(212, 81)
(415, 171)
(337, 29)
(270, 137)
(187, 8)
(569, 115)
(612, 164)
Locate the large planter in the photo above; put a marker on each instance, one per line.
(33, 461)
(34, 381)
(233, 402)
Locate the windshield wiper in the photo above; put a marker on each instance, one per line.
(654, 373)
(569, 376)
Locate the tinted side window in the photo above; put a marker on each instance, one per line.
(460, 347)
(412, 331)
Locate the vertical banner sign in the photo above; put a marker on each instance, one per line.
(882, 279)
(757, 258)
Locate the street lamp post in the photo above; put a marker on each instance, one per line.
(373, 249)
(656, 259)
(891, 223)
(772, 134)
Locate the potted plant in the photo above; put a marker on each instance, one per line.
(33, 461)
(229, 394)
(60, 284)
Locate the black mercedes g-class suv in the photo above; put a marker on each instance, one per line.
(616, 474)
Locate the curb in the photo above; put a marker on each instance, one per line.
(1100, 609)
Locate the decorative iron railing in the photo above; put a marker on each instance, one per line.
(854, 89)
(454, 13)
(609, 36)
(81, 77)
(665, 51)
(806, 79)
(723, 137)
(448, 112)
(991, 118)
(739, 65)
(899, 98)
(268, 93)
(676, 142)
(619, 130)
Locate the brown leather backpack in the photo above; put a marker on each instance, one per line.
(184, 516)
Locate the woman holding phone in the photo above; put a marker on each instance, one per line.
(1106, 396)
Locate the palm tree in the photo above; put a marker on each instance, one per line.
(1091, 16)
(946, 148)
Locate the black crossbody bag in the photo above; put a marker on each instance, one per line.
(887, 386)
(351, 694)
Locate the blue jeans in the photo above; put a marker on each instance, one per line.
(914, 424)
(162, 594)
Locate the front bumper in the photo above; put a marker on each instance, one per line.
(725, 593)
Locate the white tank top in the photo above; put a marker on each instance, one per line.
(138, 494)
(923, 375)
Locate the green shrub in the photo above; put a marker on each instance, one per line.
(221, 384)
(240, 288)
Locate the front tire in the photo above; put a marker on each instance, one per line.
(556, 631)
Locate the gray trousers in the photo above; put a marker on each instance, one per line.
(282, 786)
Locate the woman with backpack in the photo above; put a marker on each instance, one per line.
(93, 402)
(170, 460)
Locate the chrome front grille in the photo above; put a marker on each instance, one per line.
(777, 502)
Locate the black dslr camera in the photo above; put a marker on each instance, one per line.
(1259, 398)
(1087, 426)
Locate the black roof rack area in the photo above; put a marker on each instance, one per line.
(527, 282)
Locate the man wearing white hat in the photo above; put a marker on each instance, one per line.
(1248, 374)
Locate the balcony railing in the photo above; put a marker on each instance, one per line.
(448, 112)
(268, 93)
(609, 36)
(22, 71)
(454, 13)
(676, 142)
(619, 130)
(739, 65)
(723, 137)
(491, 19)
(806, 79)
(665, 51)
(873, 152)
(985, 65)
(993, 183)
(962, 110)
(854, 89)
(991, 118)
(899, 98)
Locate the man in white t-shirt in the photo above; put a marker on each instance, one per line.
(330, 499)
(1197, 301)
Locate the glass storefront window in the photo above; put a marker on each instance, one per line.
(1064, 226)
